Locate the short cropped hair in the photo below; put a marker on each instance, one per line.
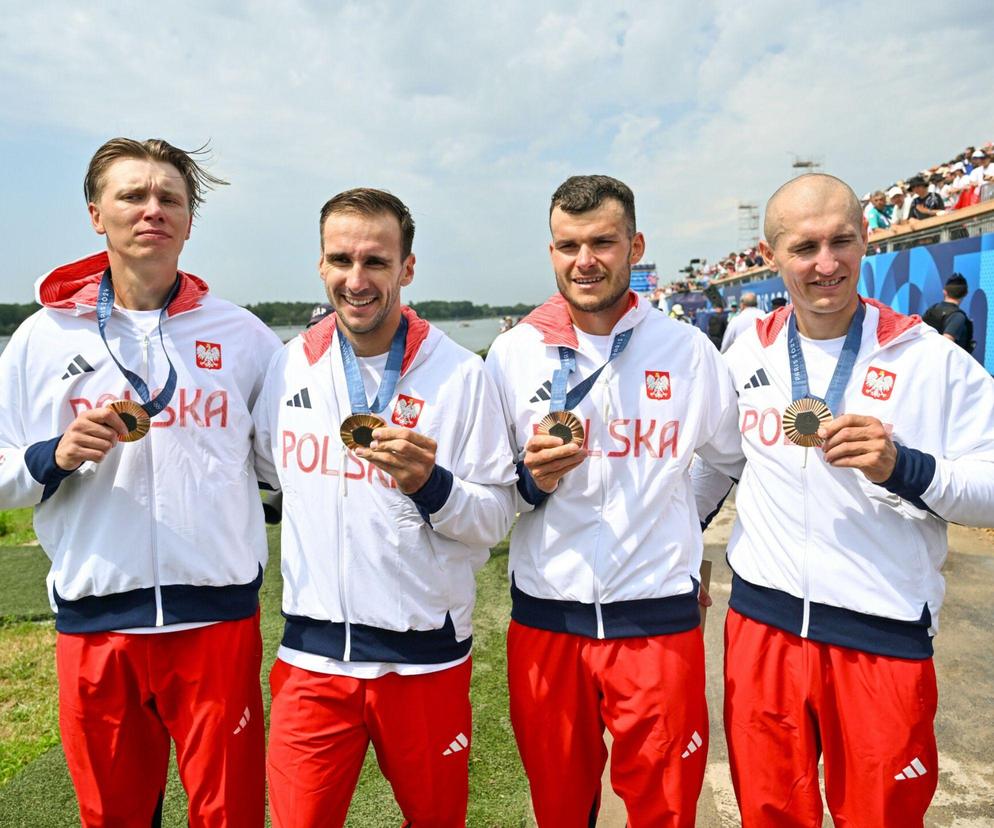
(369, 202)
(956, 287)
(581, 193)
(197, 179)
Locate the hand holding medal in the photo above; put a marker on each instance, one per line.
(853, 441)
(407, 456)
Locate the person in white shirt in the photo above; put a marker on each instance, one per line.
(748, 313)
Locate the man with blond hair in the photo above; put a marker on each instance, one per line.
(126, 425)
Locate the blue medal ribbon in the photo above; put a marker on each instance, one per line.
(391, 373)
(563, 401)
(105, 304)
(843, 368)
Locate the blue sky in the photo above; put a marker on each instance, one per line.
(472, 114)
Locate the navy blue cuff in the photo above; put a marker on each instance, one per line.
(40, 460)
(912, 475)
(528, 488)
(433, 495)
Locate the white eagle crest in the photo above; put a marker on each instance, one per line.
(407, 411)
(658, 384)
(878, 384)
(208, 355)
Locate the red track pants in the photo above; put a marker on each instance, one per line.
(321, 725)
(648, 692)
(789, 699)
(123, 696)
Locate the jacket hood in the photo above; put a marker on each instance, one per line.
(890, 323)
(552, 319)
(318, 339)
(74, 287)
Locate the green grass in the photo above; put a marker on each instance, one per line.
(40, 795)
(15, 528)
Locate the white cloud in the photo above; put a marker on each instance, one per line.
(474, 114)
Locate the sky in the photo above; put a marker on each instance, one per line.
(472, 114)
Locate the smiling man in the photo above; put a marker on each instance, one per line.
(864, 432)
(126, 423)
(606, 402)
(380, 431)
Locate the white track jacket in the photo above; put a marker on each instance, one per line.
(164, 530)
(616, 550)
(371, 574)
(824, 553)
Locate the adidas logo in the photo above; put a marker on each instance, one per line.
(242, 722)
(758, 379)
(912, 771)
(544, 392)
(77, 366)
(695, 742)
(302, 399)
(456, 745)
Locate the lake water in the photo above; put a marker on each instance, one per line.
(474, 334)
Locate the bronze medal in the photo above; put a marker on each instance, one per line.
(802, 419)
(135, 419)
(357, 430)
(562, 424)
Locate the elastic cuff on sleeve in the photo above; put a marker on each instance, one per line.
(434, 494)
(912, 475)
(528, 488)
(40, 460)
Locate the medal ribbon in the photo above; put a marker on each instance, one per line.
(560, 400)
(391, 373)
(105, 303)
(843, 368)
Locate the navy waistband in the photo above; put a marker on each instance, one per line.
(327, 638)
(621, 619)
(181, 603)
(834, 625)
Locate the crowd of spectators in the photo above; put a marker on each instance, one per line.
(960, 182)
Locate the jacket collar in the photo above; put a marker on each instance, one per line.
(552, 320)
(890, 323)
(318, 339)
(74, 286)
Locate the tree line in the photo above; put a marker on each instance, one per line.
(293, 314)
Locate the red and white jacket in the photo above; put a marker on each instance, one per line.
(824, 553)
(164, 530)
(616, 550)
(371, 574)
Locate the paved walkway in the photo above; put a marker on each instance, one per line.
(965, 668)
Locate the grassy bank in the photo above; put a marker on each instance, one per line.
(35, 789)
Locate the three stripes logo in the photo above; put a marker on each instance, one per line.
(77, 366)
(302, 399)
(456, 745)
(242, 722)
(693, 745)
(544, 392)
(758, 379)
(912, 771)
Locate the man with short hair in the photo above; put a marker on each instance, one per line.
(605, 402)
(948, 318)
(126, 424)
(390, 507)
(925, 204)
(743, 320)
(878, 212)
(867, 434)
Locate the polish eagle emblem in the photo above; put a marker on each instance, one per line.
(407, 410)
(878, 383)
(657, 385)
(208, 355)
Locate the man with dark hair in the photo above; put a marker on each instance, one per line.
(925, 204)
(886, 433)
(948, 318)
(126, 424)
(605, 403)
(390, 507)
